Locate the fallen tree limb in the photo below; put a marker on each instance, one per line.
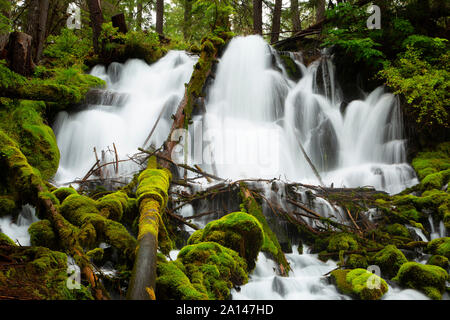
(153, 185)
(34, 191)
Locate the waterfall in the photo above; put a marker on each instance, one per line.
(256, 119)
(255, 123)
(149, 88)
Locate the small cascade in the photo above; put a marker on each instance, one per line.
(117, 131)
(17, 229)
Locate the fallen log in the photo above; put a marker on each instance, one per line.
(194, 90)
(34, 191)
(153, 185)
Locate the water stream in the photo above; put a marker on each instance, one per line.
(256, 121)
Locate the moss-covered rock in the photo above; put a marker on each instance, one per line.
(5, 240)
(63, 192)
(356, 261)
(7, 206)
(440, 246)
(238, 231)
(398, 229)
(359, 283)
(438, 260)
(390, 259)
(270, 240)
(42, 234)
(342, 241)
(42, 275)
(94, 228)
(426, 278)
(213, 269)
(113, 206)
(23, 122)
(173, 284)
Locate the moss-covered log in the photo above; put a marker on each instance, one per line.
(32, 189)
(210, 49)
(152, 199)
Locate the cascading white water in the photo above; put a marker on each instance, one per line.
(255, 120)
(150, 88)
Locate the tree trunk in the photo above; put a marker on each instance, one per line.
(19, 50)
(118, 21)
(36, 27)
(96, 16)
(296, 24)
(276, 20)
(257, 17)
(139, 16)
(187, 19)
(143, 280)
(159, 16)
(320, 10)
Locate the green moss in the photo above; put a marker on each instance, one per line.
(5, 240)
(7, 206)
(42, 234)
(390, 259)
(238, 231)
(94, 228)
(212, 268)
(173, 284)
(113, 205)
(43, 275)
(426, 278)
(359, 283)
(397, 230)
(63, 192)
(440, 246)
(342, 241)
(196, 237)
(430, 162)
(291, 67)
(438, 260)
(96, 254)
(22, 121)
(356, 261)
(154, 183)
(270, 241)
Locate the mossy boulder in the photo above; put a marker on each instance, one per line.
(342, 241)
(173, 284)
(438, 260)
(356, 261)
(113, 205)
(390, 259)
(94, 228)
(5, 240)
(398, 229)
(42, 234)
(62, 193)
(213, 269)
(359, 283)
(238, 231)
(42, 275)
(429, 279)
(7, 206)
(440, 246)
